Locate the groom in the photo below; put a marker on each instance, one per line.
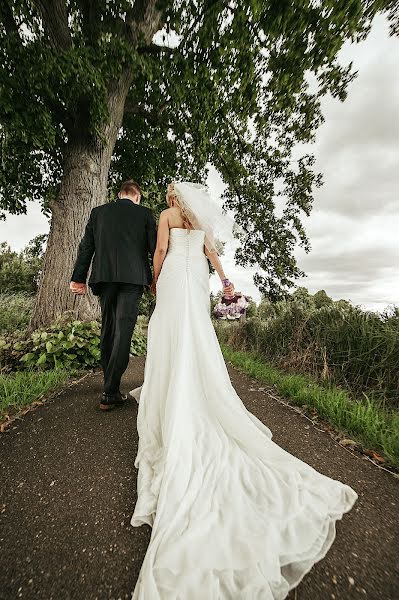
(121, 235)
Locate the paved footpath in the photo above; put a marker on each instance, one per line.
(68, 490)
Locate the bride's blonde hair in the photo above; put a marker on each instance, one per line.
(172, 195)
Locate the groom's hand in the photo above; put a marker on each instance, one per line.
(78, 288)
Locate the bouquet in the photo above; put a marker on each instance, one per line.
(231, 307)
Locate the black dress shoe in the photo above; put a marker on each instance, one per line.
(109, 401)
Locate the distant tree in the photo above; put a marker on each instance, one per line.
(20, 271)
(345, 304)
(301, 294)
(320, 299)
(266, 308)
(252, 309)
(36, 247)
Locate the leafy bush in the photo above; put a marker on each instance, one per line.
(70, 345)
(147, 303)
(15, 310)
(10, 357)
(138, 345)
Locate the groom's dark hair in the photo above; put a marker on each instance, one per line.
(130, 187)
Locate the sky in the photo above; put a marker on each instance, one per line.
(353, 226)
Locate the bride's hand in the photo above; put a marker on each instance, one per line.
(228, 290)
(153, 287)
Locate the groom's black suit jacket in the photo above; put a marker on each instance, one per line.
(122, 236)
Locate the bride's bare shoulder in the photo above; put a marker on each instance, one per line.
(172, 216)
(171, 211)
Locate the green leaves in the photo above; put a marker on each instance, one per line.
(42, 359)
(138, 345)
(72, 345)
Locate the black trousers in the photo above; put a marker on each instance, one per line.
(119, 306)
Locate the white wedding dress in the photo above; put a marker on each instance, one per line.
(233, 515)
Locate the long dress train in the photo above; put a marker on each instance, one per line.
(233, 515)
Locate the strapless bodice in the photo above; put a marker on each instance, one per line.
(187, 242)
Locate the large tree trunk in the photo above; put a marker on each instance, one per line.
(83, 186)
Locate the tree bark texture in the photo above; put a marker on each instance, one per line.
(83, 186)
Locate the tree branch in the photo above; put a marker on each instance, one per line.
(89, 17)
(156, 50)
(55, 19)
(143, 19)
(232, 181)
(151, 115)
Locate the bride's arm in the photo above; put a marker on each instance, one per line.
(217, 265)
(162, 244)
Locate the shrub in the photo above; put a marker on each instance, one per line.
(65, 346)
(138, 345)
(147, 303)
(15, 310)
(70, 345)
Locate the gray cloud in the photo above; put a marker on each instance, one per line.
(353, 227)
(357, 146)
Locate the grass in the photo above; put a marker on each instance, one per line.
(23, 387)
(372, 425)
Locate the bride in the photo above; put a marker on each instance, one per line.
(233, 515)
